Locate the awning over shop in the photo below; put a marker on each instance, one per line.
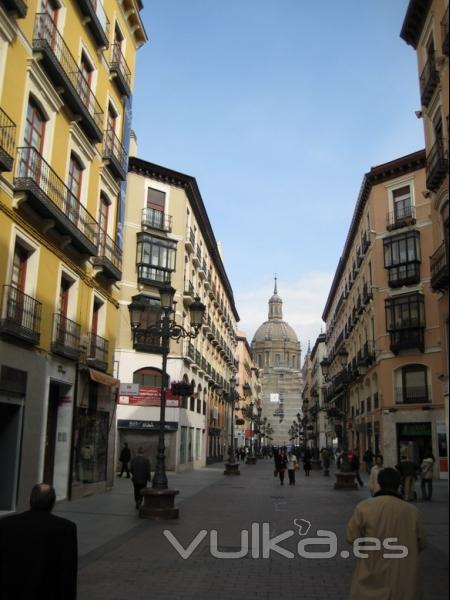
(103, 378)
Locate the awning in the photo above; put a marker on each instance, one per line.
(103, 378)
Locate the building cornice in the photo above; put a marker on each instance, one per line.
(414, 21)
(395, 168)
(189, 184)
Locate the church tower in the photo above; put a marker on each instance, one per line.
(276, 352)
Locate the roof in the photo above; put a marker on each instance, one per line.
(414, 21)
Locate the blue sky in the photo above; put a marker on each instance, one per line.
(277, 108)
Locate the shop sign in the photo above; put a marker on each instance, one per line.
(414, 429)
(146, 425)
(150, 396)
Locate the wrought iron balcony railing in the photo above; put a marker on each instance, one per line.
(412, 395)
(97, 352)
(19, 7)
(7, 140)
(143, 341)
(118, 66)
(439, 268)
(66, 337)
(65, 73)
(109, 257)
(21, 315)
(444, 33)
(156, 219)
(401, 217)
(115, 154)
(429, 80)
(97, 20)
(51, 198)
(437, 166)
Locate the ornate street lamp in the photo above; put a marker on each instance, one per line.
(159, 499)
(232, 466)
(251, 458)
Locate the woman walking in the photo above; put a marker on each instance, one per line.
(281, 465)
(292, 466)
(307, 462)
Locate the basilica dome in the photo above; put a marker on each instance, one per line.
(275, 329)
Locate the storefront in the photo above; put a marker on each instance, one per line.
(413, 439)
(145, 434)
(94, 433)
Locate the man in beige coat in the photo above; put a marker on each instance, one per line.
(386, 515)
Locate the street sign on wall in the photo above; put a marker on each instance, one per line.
(150, 396)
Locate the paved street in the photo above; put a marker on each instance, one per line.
(123, 556)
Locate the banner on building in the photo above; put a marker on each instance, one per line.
(150, 396)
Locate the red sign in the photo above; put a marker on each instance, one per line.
(150, 396)
(248, 433)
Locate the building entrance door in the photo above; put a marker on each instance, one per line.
(50, 436)
(11, 415)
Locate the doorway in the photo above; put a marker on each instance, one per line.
(50, 436)
(11, 415)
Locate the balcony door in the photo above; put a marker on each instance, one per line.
(156, 202)
(103, 216)
(62, 330)
(111, 124)
(75, 181)
(402, 203)
(33, 141)
(16, 301)
(85, 80)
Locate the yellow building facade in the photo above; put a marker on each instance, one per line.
(66, 81)
(384, 346)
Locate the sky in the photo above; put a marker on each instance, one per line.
(278, 108)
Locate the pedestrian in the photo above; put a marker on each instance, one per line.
(368, 460)
(281, 465)
(307, 462)
(140, 469)
(38, 552)
(374, 486)
(292, 466)
(408, 470)
(426, 475)
(124, 459)
(354, 464)
(242, 454)
(388, 519)
(326, 461)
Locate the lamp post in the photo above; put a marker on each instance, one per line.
(232, 466)
(159, 499)
(251, 458)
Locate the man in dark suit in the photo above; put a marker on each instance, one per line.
(38, 552)
(140, 470)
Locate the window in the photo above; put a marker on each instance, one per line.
(85, 79)
(405, 320)
(402, 258)
(155, 258)
(156, 201)
(148, 377)
(412, 385)
(402, 203)
(34, 127)
(74, 185)
(103, 214)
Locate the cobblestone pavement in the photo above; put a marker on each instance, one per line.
(133, 559)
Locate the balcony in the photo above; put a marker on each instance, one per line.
(20, 316)
(412, 395)
(97, 20)
(109, 257)
(156, 219)
(64, 72)
(197, 257)
(115, 155)
(48, 195)
(401, 217)
(189, 353)
(407, 339)
(66, 337)
(189, 242)
(19, 7)
(119, 68)
(444, 33)
(7, 139)
(97, 352)
(406, 274)
(439, 269)
(429, 80)
(367, 293)
(188, 293)
(437, 166)
(143, 341)
(150, 275)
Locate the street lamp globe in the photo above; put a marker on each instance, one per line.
(167, 294)
(197, 312)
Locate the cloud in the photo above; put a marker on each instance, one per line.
(303, 303)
